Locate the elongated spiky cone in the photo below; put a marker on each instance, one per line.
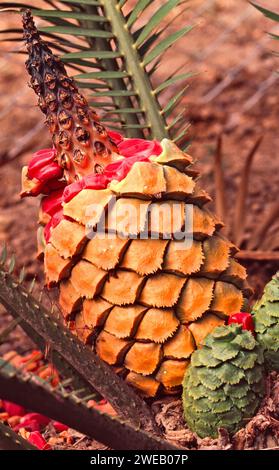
(82, 143)
(266, 317)
(224, 383)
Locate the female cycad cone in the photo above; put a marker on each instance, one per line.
(143, 304)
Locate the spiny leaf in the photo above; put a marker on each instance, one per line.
(91, 55)
(101, 75)
(165, 44)
(32, 285)
(174, 101)
(156, 19)
(139, 7)
(68, 14)
(113, 93)
(6, 332)
(82, 2)
(75, 31)
(11, 264)
(3, 255)
(42, 398)
(268, 13)
(173, 80)
(9, 440)
(21, 275)
(93, 370)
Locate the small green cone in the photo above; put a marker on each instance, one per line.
(266, 317)
(224, 383)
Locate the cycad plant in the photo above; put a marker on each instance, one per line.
(140, 305)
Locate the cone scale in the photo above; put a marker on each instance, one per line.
(144, 304)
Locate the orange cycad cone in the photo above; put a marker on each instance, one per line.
(143, 298)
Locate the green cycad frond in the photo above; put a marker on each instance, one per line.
(271, 15)
(268, 13)
(117, 54)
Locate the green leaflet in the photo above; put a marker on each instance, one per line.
(74, 31)
(77, 15)
(267, 13)
(156, 19)
(137, 10)
(165, 44)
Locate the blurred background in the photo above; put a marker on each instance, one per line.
(233, 100)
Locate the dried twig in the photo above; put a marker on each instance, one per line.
(240, 212)
(255, 255)
(219, 180)
(260, 232)
(22, 144)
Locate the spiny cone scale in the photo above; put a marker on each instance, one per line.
(82, 143)
(143, 304)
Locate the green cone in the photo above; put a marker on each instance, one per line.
(266, 318)
(224, 383)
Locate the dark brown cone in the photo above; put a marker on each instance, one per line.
(82, 143)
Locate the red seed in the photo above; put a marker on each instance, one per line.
(49, 172)
(39, 160)
(38, 440)
(72, 190)
(139, 147)
(116, 137)
(13, 409)
(60, 427)
(52, 223)
(52, 203)
(244, 319)
(96, 181)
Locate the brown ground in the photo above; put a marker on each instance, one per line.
(228, 35)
